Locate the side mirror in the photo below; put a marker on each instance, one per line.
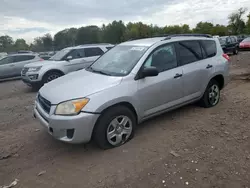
(149, 72)
(69, 58)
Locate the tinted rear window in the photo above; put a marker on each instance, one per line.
(209, 47)
(189, 51)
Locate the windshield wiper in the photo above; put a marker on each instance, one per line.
(98, 71)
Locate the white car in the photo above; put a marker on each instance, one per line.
(63, 62)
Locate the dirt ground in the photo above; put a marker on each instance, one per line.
(189, 147)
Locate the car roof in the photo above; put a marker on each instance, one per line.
(150, 41)
(89, 45)
(34, 54)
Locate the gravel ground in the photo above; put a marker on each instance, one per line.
(188, 147)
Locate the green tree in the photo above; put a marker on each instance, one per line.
(65, 38)
(47, 42)
(87, 35)
(248, 24)
(236, 22)
(113, 32)
(20, 44)
(6, 43)
(204, 28)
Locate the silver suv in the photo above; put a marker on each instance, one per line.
(11, 65)
(63, 62)
(132, 82)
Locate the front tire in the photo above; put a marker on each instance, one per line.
(211, 96)
(49, 76)
(115, 127)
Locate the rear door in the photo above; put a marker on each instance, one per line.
(20, 61)
(6, 67)
(195, 68)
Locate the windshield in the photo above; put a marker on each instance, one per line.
(59, 55)
(222, 40)
(246, 39)
(118, 61)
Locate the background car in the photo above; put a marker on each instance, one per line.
(63, 62)
(245, 44)
(12, 65)
(229, 44)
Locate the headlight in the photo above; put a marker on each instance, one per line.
(34, 69)
(72, 107)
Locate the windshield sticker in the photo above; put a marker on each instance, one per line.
(138, 48)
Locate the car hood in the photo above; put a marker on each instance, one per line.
(77, 85)
(41, 63)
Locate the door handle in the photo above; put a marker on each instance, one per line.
(209, 66)
(178, 75)
(11, 65)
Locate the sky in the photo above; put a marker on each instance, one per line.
(32, 18)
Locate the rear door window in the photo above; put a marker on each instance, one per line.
(23, 58)
(188, 52)
(90, 52)
(209, 47)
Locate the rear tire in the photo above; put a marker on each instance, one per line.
(49, 76)
(211, 96)
(114, 128)
(236, 51)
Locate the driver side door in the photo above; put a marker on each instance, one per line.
(161, 92)
(75, 62)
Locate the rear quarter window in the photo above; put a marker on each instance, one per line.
(210, 48)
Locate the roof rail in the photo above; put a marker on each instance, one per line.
(94, 44)
(187, 35)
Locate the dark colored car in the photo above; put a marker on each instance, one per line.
(245, 44)
(229, 44)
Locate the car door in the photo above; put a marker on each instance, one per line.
(163, 91)
(20, 61)
(195, 68)
(75, 62)
(6, 67)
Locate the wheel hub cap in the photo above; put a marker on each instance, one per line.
(214, 94)
(119, 130)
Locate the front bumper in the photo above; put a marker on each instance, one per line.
(70, 129)
(31, 78)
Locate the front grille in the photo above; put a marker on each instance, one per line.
(24, 71)
(44, 103)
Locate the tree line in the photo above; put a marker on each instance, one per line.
(117, 32)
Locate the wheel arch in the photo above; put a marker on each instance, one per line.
(52, 70)
(220, 79)
(122, 103)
